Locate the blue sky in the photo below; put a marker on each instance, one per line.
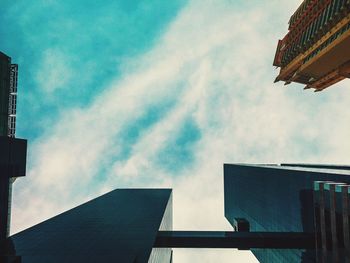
(158, 94)
(69, 51)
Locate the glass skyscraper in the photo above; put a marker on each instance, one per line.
(277, 198)
(120, 226)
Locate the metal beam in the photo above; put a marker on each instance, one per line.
(240, 240)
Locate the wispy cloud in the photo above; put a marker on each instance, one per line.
(55, 72)
(202, 96)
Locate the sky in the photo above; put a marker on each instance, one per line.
(116, 94)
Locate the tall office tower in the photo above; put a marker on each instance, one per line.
(8, 96)
(12, 150)
(120, 226)
(316, 50)
(288, 199)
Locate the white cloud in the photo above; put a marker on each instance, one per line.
(55, 71)
(214, 62)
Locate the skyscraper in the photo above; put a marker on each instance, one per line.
(8, 96)
(120, 226)
(316, 50)
(12, 150)
(282, 198)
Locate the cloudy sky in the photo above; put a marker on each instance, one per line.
(159, 94)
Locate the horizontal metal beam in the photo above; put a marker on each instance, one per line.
(240, 240)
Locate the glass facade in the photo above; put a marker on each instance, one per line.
(120, 226)
(276, 198)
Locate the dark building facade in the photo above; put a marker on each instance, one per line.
(8, 96)
(277, 198)
(12, 150)
(5, 67)
(120, 226)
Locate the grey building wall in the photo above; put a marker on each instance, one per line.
(120, 226)
(164, 255)
(276, 198)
